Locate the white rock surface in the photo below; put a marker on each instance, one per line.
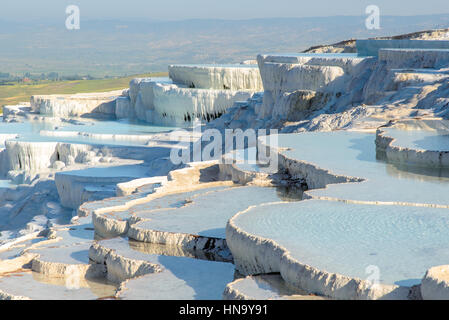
(30, 285)
(302, 92)
(76, 105)
(437, 154)
(255, 254)
(123, 108)
(174, 104)
(279, 78)
(415, 58)
(232, 77)
(435, 284)
(31, 156)
(141, 98)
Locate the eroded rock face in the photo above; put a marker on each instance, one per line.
(178, 104)
(264, 287)
(231, 77)
(298, 105)
(435, 284)
(53, 264)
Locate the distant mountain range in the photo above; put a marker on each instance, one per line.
(102, 48)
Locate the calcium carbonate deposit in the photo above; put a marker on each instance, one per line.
(350, 202)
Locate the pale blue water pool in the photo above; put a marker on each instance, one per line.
(314, 55)
(265, 287)
(236, 65)
(131, 171)
(354, 154)
(401, 241)
(420, 139)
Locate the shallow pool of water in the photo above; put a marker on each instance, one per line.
(354, 154)
(402, 242)
(181, 278)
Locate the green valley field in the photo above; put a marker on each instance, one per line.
(20, 92)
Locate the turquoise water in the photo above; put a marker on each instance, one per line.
(420, 139)
(208, 213)
(354, 154)
(175, 200)
(30, 131)
(132, 171)
(403, 242)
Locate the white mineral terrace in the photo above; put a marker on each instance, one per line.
(396, 220)
(173, 277)
(93, 207)
(424, 143)
(264, 287)
(354, 158)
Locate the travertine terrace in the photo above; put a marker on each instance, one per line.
(92, 205)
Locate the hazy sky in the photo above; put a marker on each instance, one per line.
(217, 9)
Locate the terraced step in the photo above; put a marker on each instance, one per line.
(332, 248)
(155, 276)
(241, 167)
(423, 143)
(200, 224)
(353, 155)
(15, 255)
(67, 255)
(265, 287)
